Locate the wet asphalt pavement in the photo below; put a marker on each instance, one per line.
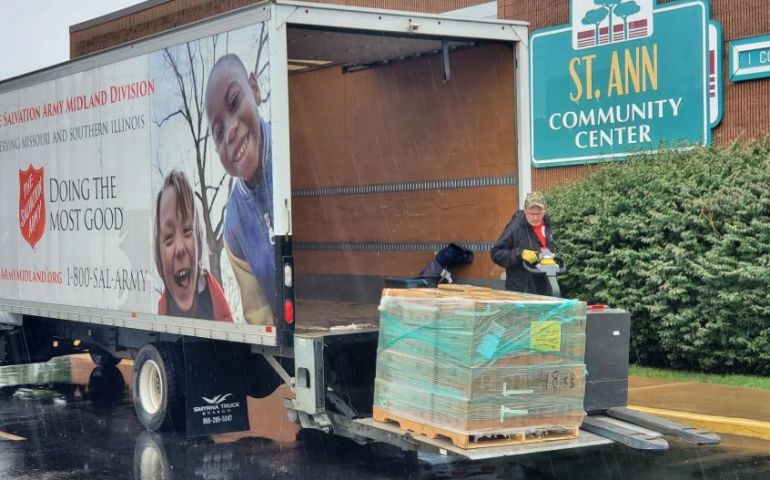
(68, 420)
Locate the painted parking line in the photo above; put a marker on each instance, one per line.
(10, 436)
(714, 423)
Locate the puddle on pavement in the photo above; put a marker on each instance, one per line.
(61, 380)
(57, 370)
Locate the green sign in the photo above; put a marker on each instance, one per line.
(624, 77)
(750, 58)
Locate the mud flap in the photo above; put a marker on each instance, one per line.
(13, 348)
(31, 343)
(215, 387)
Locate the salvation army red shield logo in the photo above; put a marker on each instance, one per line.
(32, 204)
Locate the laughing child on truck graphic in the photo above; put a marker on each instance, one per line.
(189, 290)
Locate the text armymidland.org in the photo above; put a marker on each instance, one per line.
(40, 276)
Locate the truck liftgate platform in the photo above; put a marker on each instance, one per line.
(608, 419)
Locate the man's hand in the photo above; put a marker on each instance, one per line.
(529, 256)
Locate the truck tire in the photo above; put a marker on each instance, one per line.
(102, 358)
(106, 386)
(158, 387)
(152, 457)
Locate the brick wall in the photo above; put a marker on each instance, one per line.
(174, 13)
(158, 18)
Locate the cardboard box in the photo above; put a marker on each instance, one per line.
(470, 329)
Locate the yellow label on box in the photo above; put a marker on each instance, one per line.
(545, 336)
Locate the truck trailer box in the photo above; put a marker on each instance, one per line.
(176, 200)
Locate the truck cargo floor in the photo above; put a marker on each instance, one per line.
(333, 315)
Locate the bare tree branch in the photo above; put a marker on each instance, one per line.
(262, 43)
(262, 70)
(216, 189)
(169, 117)
(189, 68)
(218, 229)
(171, 61)
(202, 111)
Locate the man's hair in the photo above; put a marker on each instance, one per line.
(180, 187)
(232, 59)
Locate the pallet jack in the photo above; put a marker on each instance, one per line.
(607, 357)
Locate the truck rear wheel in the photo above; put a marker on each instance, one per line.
(158, 387)
(102, 358)
(158, 456)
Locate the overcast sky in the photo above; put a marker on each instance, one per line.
(36, 32)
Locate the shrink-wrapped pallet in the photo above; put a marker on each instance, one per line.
(477, 364)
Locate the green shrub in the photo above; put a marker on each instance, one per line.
(682, 241)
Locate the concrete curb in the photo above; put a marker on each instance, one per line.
(730, 425)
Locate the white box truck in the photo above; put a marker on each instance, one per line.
(163, 201)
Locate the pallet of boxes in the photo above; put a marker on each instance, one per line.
(481, 367)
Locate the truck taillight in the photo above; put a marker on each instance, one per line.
(288, 311)
(288, 275)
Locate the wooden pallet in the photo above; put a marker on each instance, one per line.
(478, 440)
(466, 292)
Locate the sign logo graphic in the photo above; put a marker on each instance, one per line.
(217, 399)
(32, 204)
(593, 20)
